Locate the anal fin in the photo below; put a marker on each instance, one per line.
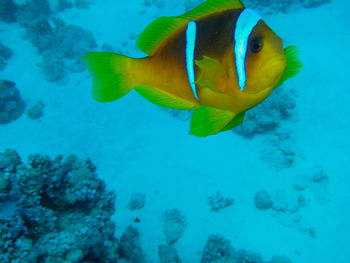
(165, 99)
(209, 121)
(237, 120)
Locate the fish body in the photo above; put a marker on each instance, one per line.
(220, 59)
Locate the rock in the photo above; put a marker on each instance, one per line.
(174, 225)
(36, 111)
(263, 200)
(168, 254)
(218, 202)
(137, 201)
(218, 249)
(130, 247)
(280, 259)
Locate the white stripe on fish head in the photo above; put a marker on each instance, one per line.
(245, 24)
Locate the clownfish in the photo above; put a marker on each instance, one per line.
(219, 59)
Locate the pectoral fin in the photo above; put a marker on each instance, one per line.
(208, 121)
(212, 75)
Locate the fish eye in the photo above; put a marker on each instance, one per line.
(256, 45)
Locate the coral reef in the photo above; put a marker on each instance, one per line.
(36, 110)
(267, 115)
(168, 254)
(5, 54)
(32, 10)
(271, 6)
(11, 104)
(174, 225)
(218, 202)
(58, 59)
(129, 247)
(8, 10)
(57, 210)
(219, 250)
(137, 201)
(44, 31)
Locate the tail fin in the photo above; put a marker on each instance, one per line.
(109, 75)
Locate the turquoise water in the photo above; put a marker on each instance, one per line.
(295, 146)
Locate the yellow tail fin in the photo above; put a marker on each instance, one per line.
(110, 75)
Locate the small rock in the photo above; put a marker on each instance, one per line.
(36, 110)
(300, 187)
(168, 254)
(137, 201)
(312, 232)
(263, 200)
(174, 225)
(280, 259)
(218, 202)
(130, 247)
(320, 176)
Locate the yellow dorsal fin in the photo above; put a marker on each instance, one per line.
(160, 29)
(211, 7)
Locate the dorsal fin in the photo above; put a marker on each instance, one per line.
(160, 29)
(211, 7)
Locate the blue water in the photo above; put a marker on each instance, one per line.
(296, 148)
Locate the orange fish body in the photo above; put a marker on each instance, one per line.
(219, 59)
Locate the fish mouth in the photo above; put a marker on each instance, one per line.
(275, 68)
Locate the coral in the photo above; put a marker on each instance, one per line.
(57, 59)
(84, 4)
(129, 247)
(32, 10)
(262, 200)
(219, 250)
(62, 211)
(63, 5)
(218, 202)
(285, 6)
(268, 114)
(5, 54)
(137, 201)
(174, 225)
(244, 256)
(281, 150)
(8, 9)
(280, 259)
(11, 104)
(36, 111)
(168, 254)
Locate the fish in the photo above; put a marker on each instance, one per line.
(219, 60)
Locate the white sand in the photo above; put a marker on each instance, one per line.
(139, 148)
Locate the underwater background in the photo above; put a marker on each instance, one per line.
(82, 181)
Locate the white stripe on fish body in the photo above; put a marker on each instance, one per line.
(191, 33)
(245, 24)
